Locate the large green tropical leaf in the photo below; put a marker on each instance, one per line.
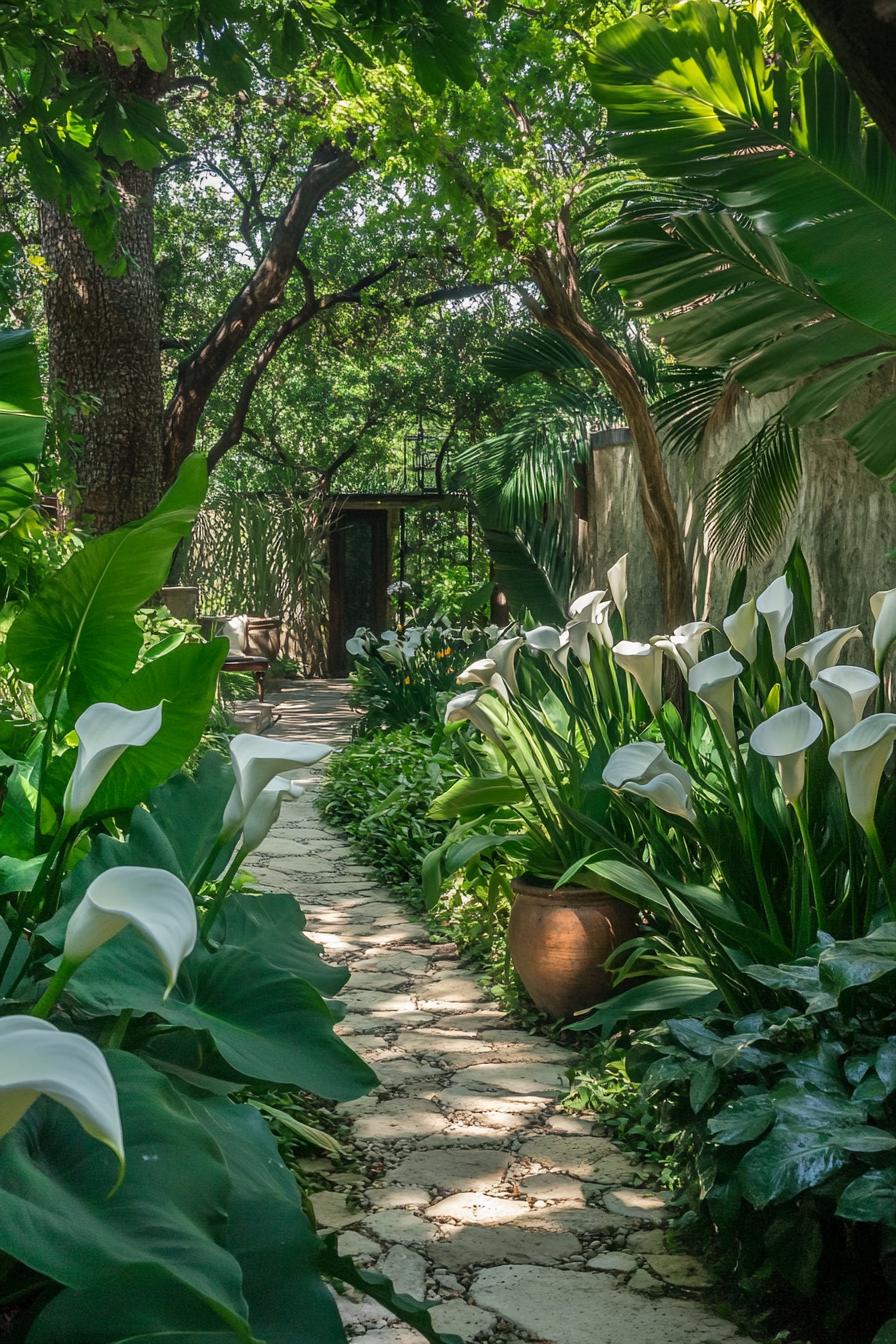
(58, 1215)
(184, 683)
(693, 95)
(267, 1023)
(22, 423)
(785, 281)
(521, 574)
(80, 624)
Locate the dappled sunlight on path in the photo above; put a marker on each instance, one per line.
(483, 1196)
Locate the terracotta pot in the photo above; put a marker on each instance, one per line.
(263, 637)
(559, 941)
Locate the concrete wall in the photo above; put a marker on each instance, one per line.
(845, 519)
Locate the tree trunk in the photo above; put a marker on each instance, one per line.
(562, 313)
(104, 354)
(862, 36)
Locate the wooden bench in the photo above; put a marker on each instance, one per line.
(248, 662)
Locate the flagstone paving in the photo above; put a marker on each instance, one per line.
(513, 1219)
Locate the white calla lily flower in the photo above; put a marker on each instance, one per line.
(484, 673)
(584, 607)
(844, 692)
(712, 681)
(150, 900)
(784, 739)
(391, 653)
(617, 578)
(105, 731)
(266, 809)
(644, 662)
(858, 760)
(356, 647)
(553, 643)
(503, 655)
(823, 650)
(883, 609)
(258, 760)
(742, 630)
(683, 645)
(594, 626)
(775, 606)
(36, 1059)
(644, 769)
(469, 707)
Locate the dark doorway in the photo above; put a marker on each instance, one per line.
(359, 573)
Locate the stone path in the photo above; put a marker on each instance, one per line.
(468, 1185)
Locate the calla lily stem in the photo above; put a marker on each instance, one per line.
(880, 859)
(811, 862)
(47, 1001)
(224, 885)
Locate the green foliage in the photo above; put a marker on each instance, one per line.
(379, 789)
(768, 264)
(80, 81)
(406, 678)
(784, 1127)
(202, 1234)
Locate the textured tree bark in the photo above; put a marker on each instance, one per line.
(104, 354)
(560, 311)
(862, 36)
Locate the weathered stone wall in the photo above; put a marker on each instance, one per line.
(845, 519)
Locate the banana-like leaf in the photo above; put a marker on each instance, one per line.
(693, 96)
(526, 581)
(785, 281)
(80, 627)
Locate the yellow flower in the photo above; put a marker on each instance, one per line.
(407, 681)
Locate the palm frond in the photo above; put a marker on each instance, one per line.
(748, 503)
(683, 415)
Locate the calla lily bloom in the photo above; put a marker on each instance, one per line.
(683, 645)
(554, 643)
(392, 653)
(584, 607)
(742, 630)
(844, 692)
(258, 760)
(105, 731)
(823, 650)
(784, 739)
(775, 606)
(484, 672)
(644, 768)
(883, 609)
(266, 809)
(644, 662)
(356, 647)
(858, 760)
(150, 900)
(593, 626)
(468, 706)
(36, 1059)
(712, 681)
(617, 578)
(503, 655)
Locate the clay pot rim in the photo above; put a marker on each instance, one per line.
(527, 886)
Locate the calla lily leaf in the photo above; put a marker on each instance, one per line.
(280, 1032)
(57, 1216)
(272, 924)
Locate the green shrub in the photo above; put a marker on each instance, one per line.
(407, 676)
(379, 789)
(784, 1127)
